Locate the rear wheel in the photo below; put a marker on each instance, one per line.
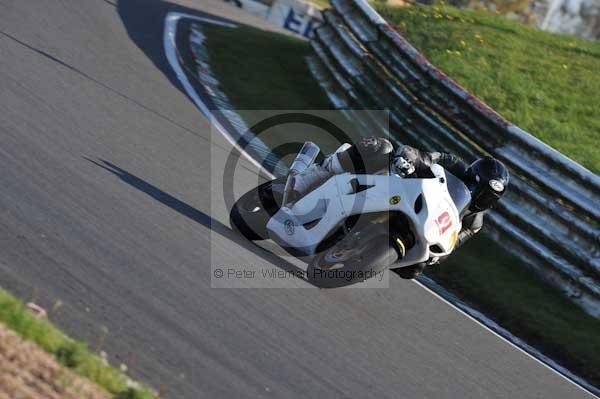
(352, 260)
(251, 213)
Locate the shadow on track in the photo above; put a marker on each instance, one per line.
(144, 22)
(196, 215)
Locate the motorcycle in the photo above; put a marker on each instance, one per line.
(354, 226)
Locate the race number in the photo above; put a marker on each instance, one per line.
(444, 222)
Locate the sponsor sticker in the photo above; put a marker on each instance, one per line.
(394, 200)
(289, 227)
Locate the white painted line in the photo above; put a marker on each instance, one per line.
(169, 36)
(171, 53)
(511, 340)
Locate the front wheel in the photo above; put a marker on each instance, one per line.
(251, 213)
(353, 260)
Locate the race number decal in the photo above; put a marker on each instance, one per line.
(444, 222)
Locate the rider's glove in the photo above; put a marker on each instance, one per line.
(404, 167)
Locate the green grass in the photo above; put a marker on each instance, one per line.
(549, 85)
(258, 71)
(320, 3)
(481, 273)
(267, 71)
(499, 285)
(70, 353)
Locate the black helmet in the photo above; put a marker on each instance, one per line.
(488, 179)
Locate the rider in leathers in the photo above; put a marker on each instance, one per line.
(486, 178)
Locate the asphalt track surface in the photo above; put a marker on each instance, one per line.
(105, 204)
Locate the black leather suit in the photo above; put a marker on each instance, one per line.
(373, 154)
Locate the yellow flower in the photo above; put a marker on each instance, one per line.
(565, 66)
(457, 52)
(463, 43)
(448, 51)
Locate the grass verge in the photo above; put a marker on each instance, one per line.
(481, 273)
(261, 72)
(500, 286)
(321, 3)
(258, 70)
(547, 84)
(71, 354)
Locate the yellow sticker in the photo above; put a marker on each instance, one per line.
(453, 238)
(394, 200)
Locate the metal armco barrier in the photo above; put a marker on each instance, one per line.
(550, 217)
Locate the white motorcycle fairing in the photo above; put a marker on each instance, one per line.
(427, 204)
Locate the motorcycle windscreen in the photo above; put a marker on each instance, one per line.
(460, 194)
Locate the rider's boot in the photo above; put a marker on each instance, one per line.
(305, 181)
(314, 175)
